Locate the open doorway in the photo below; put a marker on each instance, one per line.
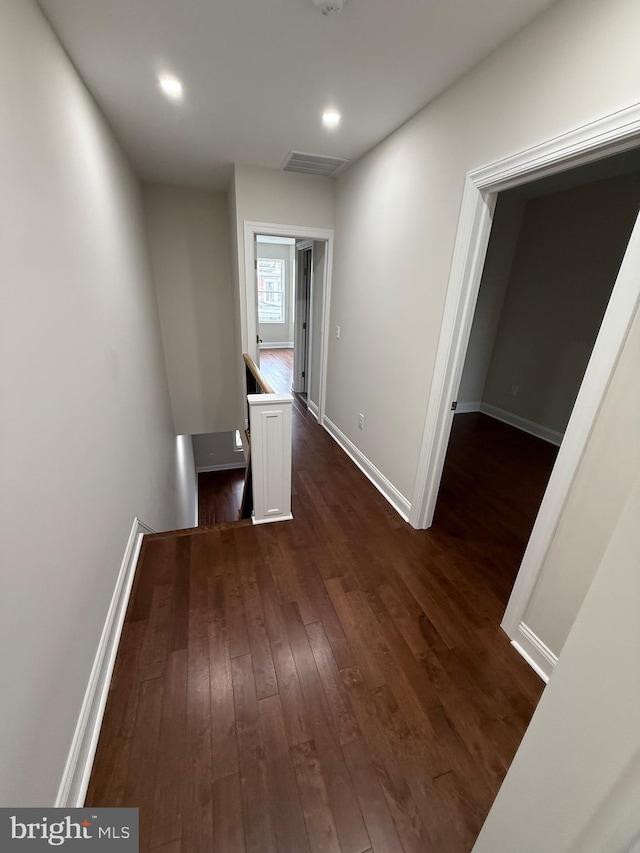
(551, 263)
(310, 290)
(595, 143)
(287, 294)
(276, 305)
(554, 256)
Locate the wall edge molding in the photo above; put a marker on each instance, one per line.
(538, 430)
(313, 409)
(382, 484)
(255, 520)
(617, 131)
(536, 653)
(75, 778)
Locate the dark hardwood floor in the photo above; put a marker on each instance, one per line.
(492, 485)
(276, 365)
(337, 683)
(220, 495)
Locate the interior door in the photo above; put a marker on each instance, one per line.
(307, 256)
(304, 267)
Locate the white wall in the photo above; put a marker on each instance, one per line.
(493, 287)
(574, 785)
(567, 258)
(82, 380)
(280, 333)
(187, 480)
(396, 218)
(217, 450)
(284, 198)
(189, 242)
(232, 217)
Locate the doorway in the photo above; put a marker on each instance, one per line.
(302, 353)
(596, 144)
(275, 266)
(553, 257)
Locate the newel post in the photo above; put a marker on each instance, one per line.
(270, 420)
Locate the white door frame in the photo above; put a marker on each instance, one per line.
(249, 318)
(611, 135)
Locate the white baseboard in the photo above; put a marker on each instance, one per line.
(75, 779)
(277, 345)
(225, 466)
(535, 652)
(465, 408)
(255, 520)
(384, 486)
(543, 432)
(313, 409)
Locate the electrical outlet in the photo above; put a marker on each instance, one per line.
(514, 390)
(338, 332)
(361, 421)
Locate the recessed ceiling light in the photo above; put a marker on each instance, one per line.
(171, 86)
(331, 118)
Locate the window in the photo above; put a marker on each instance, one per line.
(270, 290)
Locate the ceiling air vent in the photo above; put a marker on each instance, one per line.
(313, 164)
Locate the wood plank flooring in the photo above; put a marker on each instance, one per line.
(333, 684)
(276, 365)
(220, 495)
(492, 485)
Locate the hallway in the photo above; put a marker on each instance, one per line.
(334, 683)
(277, 367)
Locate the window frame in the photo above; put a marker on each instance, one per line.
(283, 312)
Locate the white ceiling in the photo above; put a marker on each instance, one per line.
(258, 73)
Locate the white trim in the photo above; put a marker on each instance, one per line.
(523, 424)
(535, 652)
(278, 345)
(540, 431)
(224, 466)
(255, 520)
(384, 486)
(248, 309)
(597, 140)
(470, 249)
(313, 409)
(312, 286)
(278, 241)
(75, 779)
